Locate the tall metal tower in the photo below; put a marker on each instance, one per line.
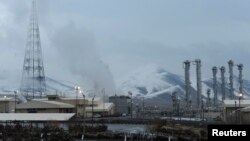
(33, 78)
(215, 86)
(231, 84)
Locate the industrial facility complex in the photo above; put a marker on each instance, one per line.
(189, 108)
(230, 104)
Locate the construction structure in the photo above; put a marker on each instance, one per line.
(215, 86)
(188, 101)
(33, 77)
(223, 86)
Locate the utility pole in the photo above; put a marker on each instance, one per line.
(77, 88)
(143, 108)
(93, 111)
(15, 92)
(131, 96)
(103, 92)
(83, 116)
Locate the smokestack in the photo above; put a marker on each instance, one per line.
(215, 87)
(222, 70)
(231, 90)
(187, 84)
(240, 68)
(198, 75)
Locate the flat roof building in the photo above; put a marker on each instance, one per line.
(44, 106)
(55, 104)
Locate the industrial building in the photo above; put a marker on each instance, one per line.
(88, 104)
(55, 104)
(122, 104)
(44, 106)
(7, 104)
(245, 115)
(236, 111)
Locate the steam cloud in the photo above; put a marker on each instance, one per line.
(77, 48)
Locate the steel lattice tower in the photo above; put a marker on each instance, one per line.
(33, 78)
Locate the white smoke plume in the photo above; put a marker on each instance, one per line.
(76, 47)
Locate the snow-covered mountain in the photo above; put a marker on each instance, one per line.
(157, 85)
(152, 83)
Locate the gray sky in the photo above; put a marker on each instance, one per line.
(126, 34)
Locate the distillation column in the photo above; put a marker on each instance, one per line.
(215, 87)
(187, 85)
(231, 90)
(240, 68)
(222, 70)
(199, 89)
(208, 98)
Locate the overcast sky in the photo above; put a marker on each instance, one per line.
(126, 34)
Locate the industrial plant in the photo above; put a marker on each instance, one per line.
(158, 105)
(218, 106)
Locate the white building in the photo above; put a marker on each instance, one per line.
(7, 104)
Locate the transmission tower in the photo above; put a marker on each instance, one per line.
(33, 78)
